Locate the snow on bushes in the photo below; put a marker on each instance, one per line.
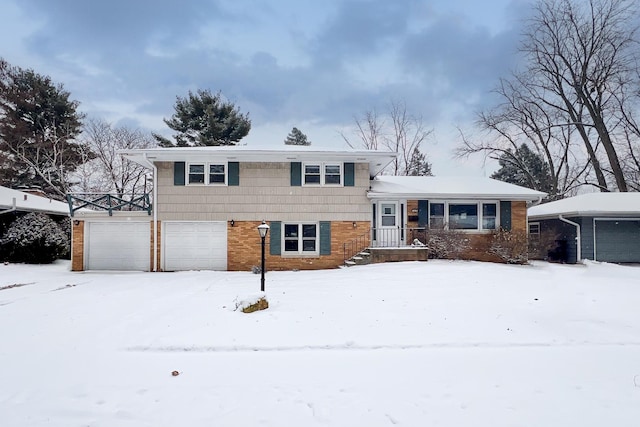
(511, 247)
(34, 238)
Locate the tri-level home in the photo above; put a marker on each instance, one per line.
(209, 201)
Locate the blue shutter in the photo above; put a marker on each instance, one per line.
(296, 174)
(275, 238)
(178, 173)
(325, 238)
(233, 178)
(349, 174)
(423, 213)
(505, 215)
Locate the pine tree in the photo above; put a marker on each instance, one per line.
(524, 168)
(296, 137)
(418, 165)
(205, 119)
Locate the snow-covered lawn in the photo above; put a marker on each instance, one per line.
(415, 344)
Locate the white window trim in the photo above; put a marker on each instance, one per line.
(529, 229)
(206, 174)
(300, 253)
(479, 204)
(323, 166)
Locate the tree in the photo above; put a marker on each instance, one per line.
(399, 132)
(296, 137)
(38, 127)
(525, 168)
(107, 171)
(418, 165)
(34, 238)
(205, 119)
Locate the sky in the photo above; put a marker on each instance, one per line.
(315, 65)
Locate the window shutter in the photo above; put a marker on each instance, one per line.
(275, 238)
(374, 221)
(505, 215)
(296, 174)
(233, 178)
(349, 174)
(325, 238)
(423, 213)
(178, 173)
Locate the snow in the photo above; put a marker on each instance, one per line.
(590, 204)
(437, 343)
(449, 187)
(30, 202)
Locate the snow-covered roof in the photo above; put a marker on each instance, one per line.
(592, 204)
(27, 202)
(448, 187)
(284, 153)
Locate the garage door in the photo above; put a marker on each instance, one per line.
(118, 246)
(198, 245)
(617, 240)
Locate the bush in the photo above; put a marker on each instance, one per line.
(510, 246)
(35, 239)
(446, 244)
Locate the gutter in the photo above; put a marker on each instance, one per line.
(11, 209)
(578, 240)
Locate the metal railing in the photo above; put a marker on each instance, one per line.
(396, 237)
(108, 202)
(354, 246)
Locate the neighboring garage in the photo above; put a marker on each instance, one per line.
(617, 240)
(596, 226)
(121, 245)
(194, 245)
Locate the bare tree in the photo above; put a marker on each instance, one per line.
(108, 171)
(369, 130)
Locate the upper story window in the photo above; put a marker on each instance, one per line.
(207, 173)
(322, 174)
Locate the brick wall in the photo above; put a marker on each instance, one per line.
(243, 250)
(159, 241)
(519, 216)
(77, 245)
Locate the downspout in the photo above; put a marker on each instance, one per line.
(11, 209)
(155, 212)
(578, 240)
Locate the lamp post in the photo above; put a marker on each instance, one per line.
(263, 229)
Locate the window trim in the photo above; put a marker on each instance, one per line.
(300, 253)
(479, 204)
(536, 224)
(207, 169)
(323, 174)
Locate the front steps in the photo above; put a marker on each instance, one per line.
(361, 258)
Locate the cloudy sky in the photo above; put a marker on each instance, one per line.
(305, 63)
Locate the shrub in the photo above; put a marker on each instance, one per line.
(510, 246)
(446, 244)
(35, 239)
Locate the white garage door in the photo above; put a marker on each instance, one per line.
(117, 246)
(197, 245)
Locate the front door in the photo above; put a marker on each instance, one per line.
(388, 224)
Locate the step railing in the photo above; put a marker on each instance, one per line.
(354, 246)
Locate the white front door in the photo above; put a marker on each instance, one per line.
(388, 233)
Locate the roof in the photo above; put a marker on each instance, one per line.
(27, 202)
(592, 204)
(286, 153)
(442, 187)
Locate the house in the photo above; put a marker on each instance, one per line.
(595, 226)
(14, 203)
(209, 202)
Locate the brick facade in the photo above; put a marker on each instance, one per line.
(77, 245)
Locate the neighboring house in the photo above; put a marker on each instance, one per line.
(595, 226)
(209, 201)
(14, 203)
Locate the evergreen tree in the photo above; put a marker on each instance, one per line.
(296, 137)
(524, 168)
(38, 127)
(418, 165)
(205, 119)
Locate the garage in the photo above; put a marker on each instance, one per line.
(123, 245)
(194, 245)
(617, 240)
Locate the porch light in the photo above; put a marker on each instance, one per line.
(263, 229)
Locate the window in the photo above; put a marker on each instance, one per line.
(388, 214)
(489, 216)
(534, 229)
(215, 174)
(463, 216)
(323, 174)
(436, 216)
(300, 239)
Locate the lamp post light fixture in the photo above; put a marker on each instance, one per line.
(263, 229)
